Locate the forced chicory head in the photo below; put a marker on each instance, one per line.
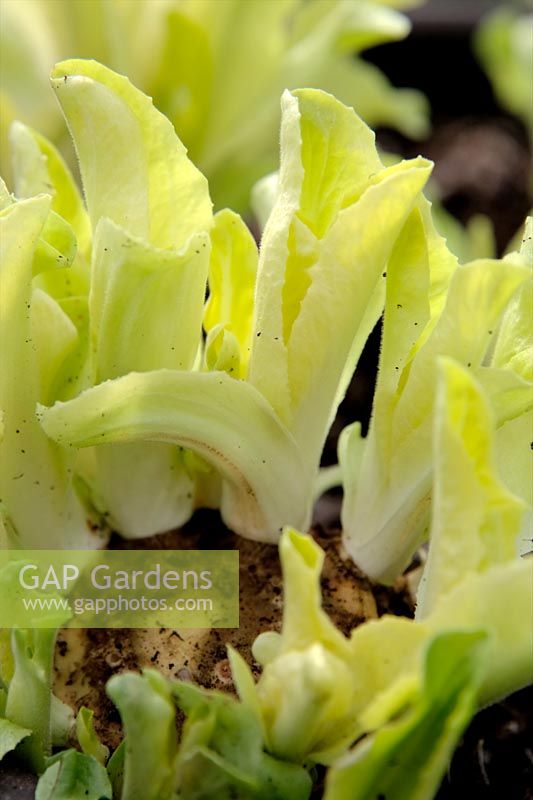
(255, 406)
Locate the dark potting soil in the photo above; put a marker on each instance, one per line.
(494, 760)
(495, 757)
(15, 782)
(85, 660)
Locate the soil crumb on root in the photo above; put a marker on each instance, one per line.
(85, 660)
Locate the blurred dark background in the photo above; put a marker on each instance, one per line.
(481, 152)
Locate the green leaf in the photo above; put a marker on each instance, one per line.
(61, 722)
(225, 421)
(193, 59)
(186, 51)
(39, 168)
(478, 294)
(228, 122)
(87, 737)
(74, 775)
(302, 562)
(510, 394)
(148, 717)
(6, 199)
(318, 62)
(385, 516)
(29, 696)
(406, 759)
(305, 696)
(221, 753)
(7, 665)
(74, 373)
(142, 485)
(135, 170)
(504, 47)
(145, 304)
(148, 277)
(10, 736)
(115, 769)
(283, 277)
(368, 24)
(514, 348)
(35, 475)
(526, 247)
(388, 659)
(388, 652)
(222, 351)
(56, 340)
(295, 362)
(473, 577)
(27, 45)
(57, 246)
(494, 601)
(467, 493)
(476, 240)
(513, 456)
(232, 275)
(510, 377)
(326, 35)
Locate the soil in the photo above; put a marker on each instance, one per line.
(15, 782)
(85, 660)
(494, 758)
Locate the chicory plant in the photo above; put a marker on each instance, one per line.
(32, 718)
(476, 313)
(194, 58)
(402, 690)
(132, 420)
(256, 405)
(503, 45)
